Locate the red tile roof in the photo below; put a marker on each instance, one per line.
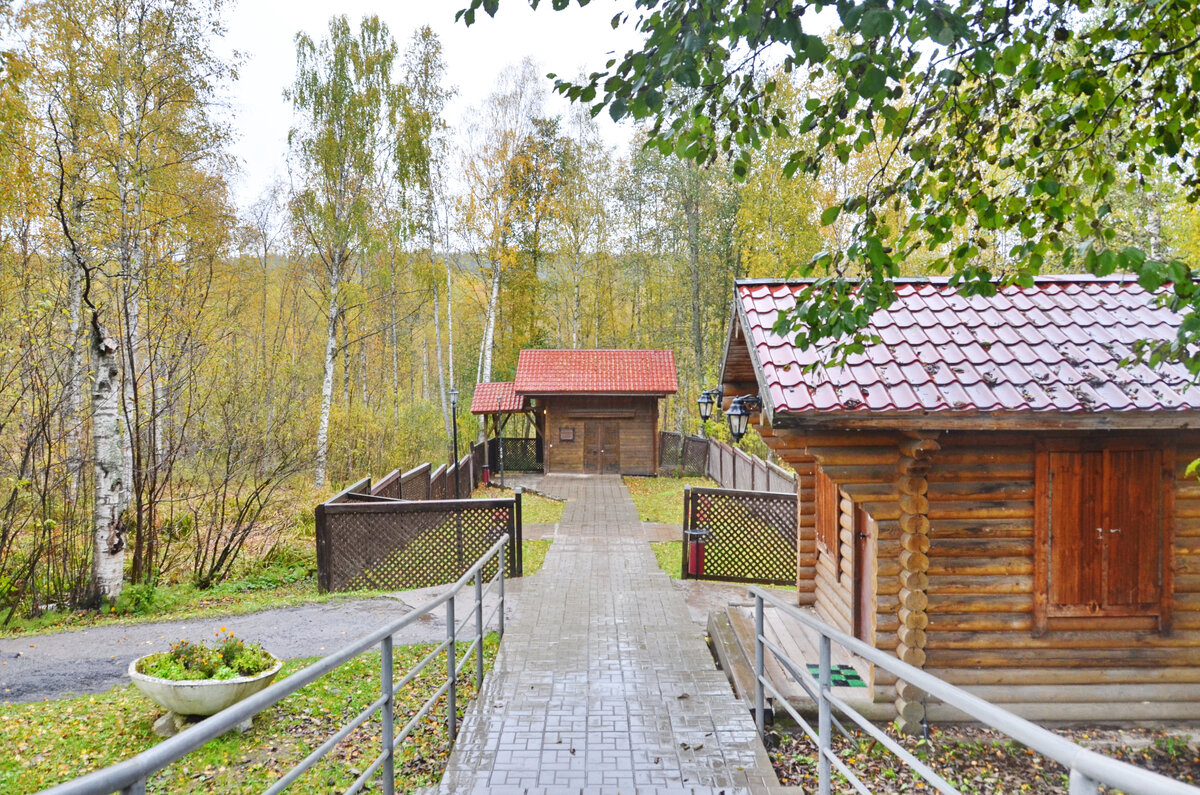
(604, 372)
(1056, 347)
(486, 395)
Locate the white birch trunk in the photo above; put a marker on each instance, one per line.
(75, 371)
(449, 324)
(326, 391)
(441, 371)
(489, 329)
(425, 366)
(108, 557)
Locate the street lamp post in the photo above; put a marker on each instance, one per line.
(499, 443)
(454, 424)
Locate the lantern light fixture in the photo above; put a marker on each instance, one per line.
(739, 413)
(709, 398)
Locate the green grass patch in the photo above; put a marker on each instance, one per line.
(277, 585)
(660, 500)
(669, 557)
(535, 509)
(280, 584)
(47, 743)
(533, 555)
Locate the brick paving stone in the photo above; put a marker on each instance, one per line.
(602, 682)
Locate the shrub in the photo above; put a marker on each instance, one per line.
(135, 600)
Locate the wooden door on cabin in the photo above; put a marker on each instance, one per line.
(864, 575)
(602, 448)
(1105, 531)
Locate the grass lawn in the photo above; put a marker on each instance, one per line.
(49, 742)
(276, 585)
(533, 554)
(535, 509)
(660, 500)
(669, 557)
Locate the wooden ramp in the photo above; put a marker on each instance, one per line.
(732, 634)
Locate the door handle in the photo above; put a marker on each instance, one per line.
(1115, 530)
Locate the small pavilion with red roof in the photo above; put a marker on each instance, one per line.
(594, 411)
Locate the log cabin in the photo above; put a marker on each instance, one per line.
(594, 411)
(992, 493)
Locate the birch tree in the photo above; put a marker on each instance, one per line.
(423, 156)
(344, 101)
(488, 207)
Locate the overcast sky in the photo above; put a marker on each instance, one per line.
(263, 31)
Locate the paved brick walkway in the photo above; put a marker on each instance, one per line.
(602, 682)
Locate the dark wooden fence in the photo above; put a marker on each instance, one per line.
(408, 531)
(520, 454)
(735, 469)
(729, 466)
(739, 536)
(680, 455)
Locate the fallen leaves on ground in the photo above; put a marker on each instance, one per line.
(979, 760)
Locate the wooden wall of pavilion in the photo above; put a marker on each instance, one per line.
(634, 420)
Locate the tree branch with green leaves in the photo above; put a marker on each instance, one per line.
(1014, 127)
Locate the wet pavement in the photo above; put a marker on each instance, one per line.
(603, 681)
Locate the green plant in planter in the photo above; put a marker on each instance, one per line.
(229, 658)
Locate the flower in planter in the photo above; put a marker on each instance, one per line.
(228, 658)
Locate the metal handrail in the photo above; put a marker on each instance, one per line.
(1088, 769)
(130, 775)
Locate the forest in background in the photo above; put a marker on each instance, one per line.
(181, 376)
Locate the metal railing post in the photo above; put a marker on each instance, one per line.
(1082, 785)
(136, 788)
(760, 720)
(824, 719)
(687, 535)
(478, 631)
(501, 611)
(387, 714)
(451, 674)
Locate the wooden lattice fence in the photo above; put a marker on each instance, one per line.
(365, 541)
(746, 536)
(408, 531)
(680, 455)
(520, 454)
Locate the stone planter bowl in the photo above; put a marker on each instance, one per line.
(200, 696)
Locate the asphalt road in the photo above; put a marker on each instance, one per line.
(58, 665)
(62, 664)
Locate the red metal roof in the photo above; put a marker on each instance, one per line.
(604, 372)
(486, 395)
(1056, 347)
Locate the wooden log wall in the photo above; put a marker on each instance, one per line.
(863, 464)
(980, 632)
(635, 418)
(954, 580)
(806, 532)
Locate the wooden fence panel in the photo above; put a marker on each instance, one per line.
(739, 536)
(394, 544)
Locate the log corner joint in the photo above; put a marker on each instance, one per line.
(917, 450)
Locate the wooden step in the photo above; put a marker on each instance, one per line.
(731, 656)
